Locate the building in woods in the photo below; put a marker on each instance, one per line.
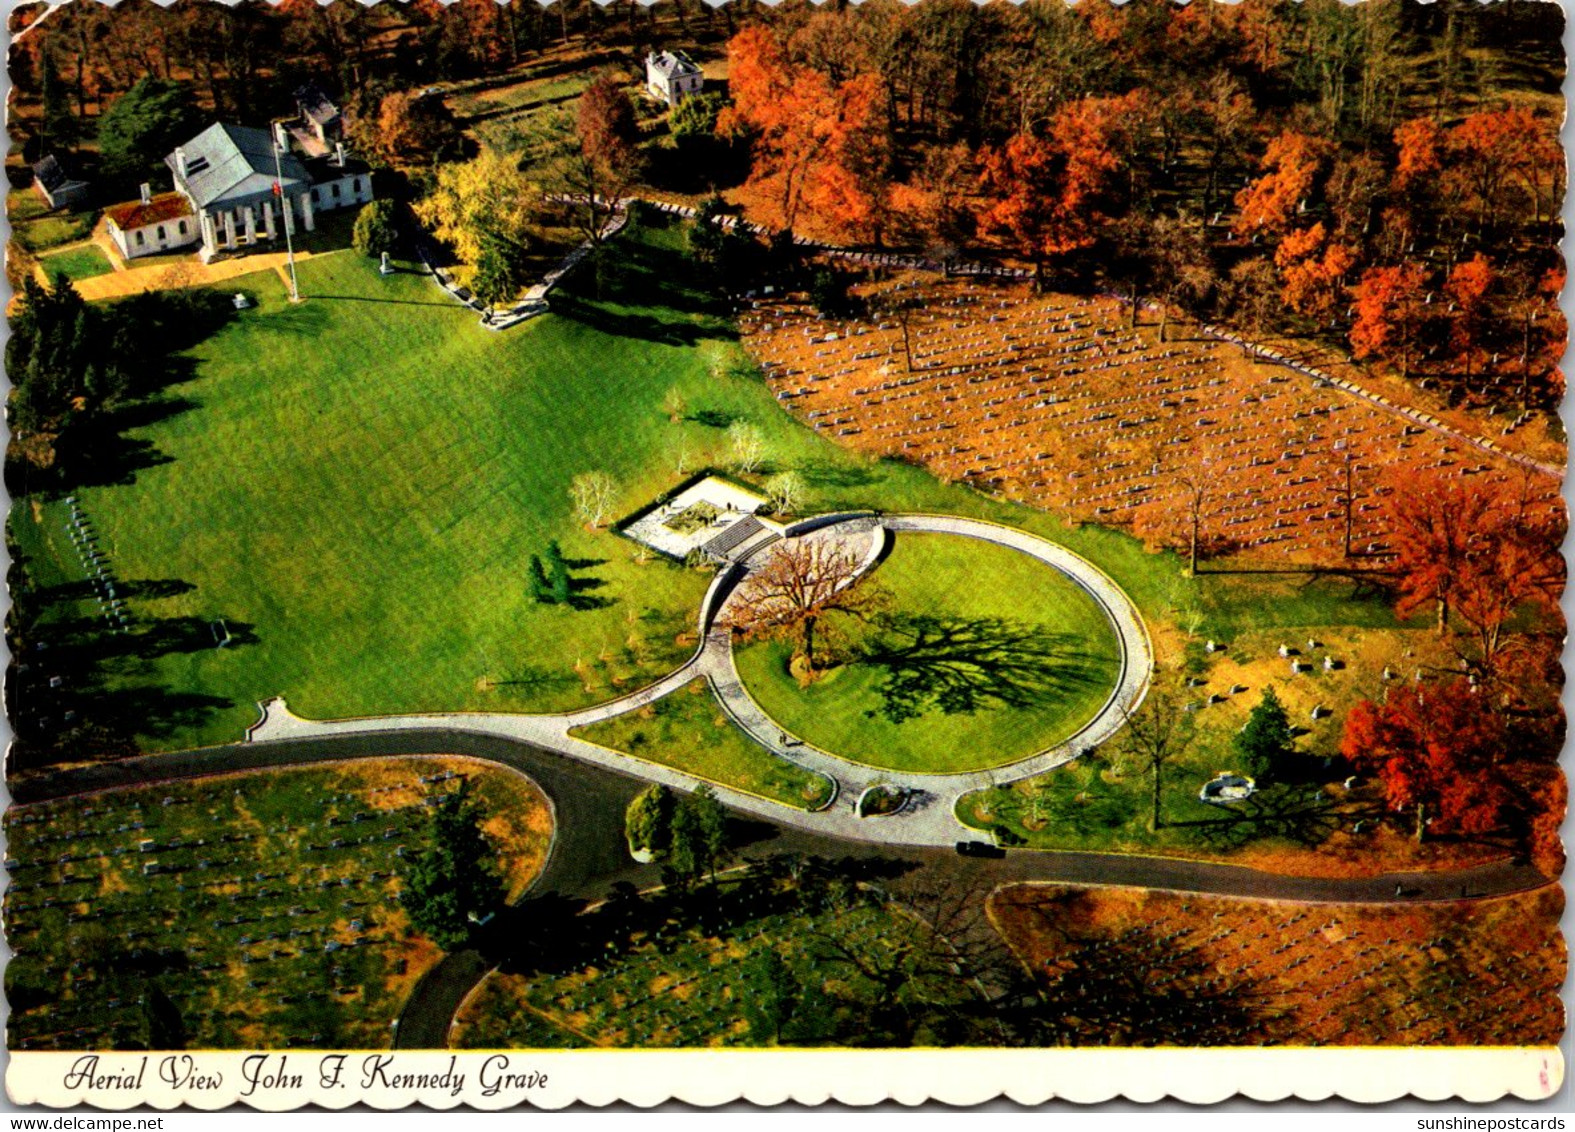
(672, 76)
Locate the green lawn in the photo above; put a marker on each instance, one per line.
(688, 731)
(983, 593)
(78, 263)
(355, 485)
(37, 229)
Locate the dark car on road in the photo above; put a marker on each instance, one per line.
(979, 849)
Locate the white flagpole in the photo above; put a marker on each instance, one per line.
(278, 186)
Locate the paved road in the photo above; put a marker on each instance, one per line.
(588, 855)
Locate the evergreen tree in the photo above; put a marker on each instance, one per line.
(540, 590)
(828, 291)
(144, 125)
(707, 236)
(162, 1021)
(454, 882)
(1265, 737)
(684, 847)
(375, 231)
(780, 1008)
(647, 821)
(710, 828)
(500, 271)
(558, 573)
(59, 125)
(52, 346)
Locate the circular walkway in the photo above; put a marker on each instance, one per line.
(929, 817)
(1136, 665)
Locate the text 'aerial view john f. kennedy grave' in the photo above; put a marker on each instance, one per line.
(980, 548)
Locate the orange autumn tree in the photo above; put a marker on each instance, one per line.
(1482, 549)
(1047, 196)
(1389, 311)
(819, 146)
(1491, 152)
(1437, 749)
(1313, 268)
(1291, 165)
(1538, 327)
(1433, 523)
(1419, 146)
(1469, 287)
(929, 210)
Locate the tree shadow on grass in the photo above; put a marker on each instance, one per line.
(1142, 988)
(99, 453)
(962, 665)
(824, 474)
(1297, 813)
(81, 689)
(529, 679)
(712, 418)
(628, 324)
(580, 600)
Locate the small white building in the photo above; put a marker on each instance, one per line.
(672, 76)
(151, 225)
(58, 188)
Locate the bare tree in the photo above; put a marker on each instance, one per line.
(593, 495)
(902, 309)
(1154, 735)
(786, 490)
(748, 444)
(801, 582)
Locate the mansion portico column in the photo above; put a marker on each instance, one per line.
(267, 211)
(306, 211)
(210, 241)
(251, 224)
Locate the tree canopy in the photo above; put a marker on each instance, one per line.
(1438, 748)
(144, 125)
(452, 883)
(483, 210)
(375, 232)
(1265, 738)
(800, 583)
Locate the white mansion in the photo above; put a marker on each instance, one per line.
(238, 187)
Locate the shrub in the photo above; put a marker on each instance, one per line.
(648, 820)
(375, 231)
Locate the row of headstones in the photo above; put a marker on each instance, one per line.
(96, 564)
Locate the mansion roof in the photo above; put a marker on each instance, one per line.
(233, 163)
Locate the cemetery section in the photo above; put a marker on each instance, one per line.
(1100, 801)
(1128, 966)
(762, 958)
(1057, 401)
(241, 911)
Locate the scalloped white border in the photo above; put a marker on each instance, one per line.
(849, 1077)
(772, 1077)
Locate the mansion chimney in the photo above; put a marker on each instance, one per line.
(147, 193)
